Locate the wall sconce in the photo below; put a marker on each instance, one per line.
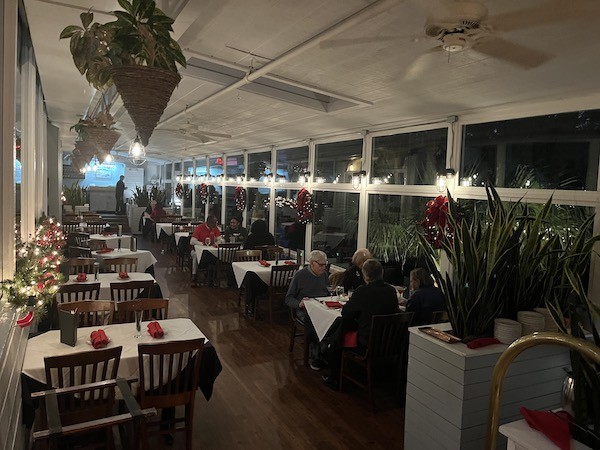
(442, 183)
(178, 178)
(304, 178)
(357, 179)
(268, 179)
(450, 172)
(240, 178)
(218, 179)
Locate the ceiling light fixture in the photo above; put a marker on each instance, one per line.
(357, 179)
(137, 152)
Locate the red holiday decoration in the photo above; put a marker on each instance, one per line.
(436, 222)
(304, 206)
(240, 198)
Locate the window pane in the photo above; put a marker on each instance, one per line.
(338, 160)
(214, 201)
(259, 165)
(409, 158)
(215, 166)
(557, 151)
(291, 163)
(336, 224)
(257, 205)
(394, 225)
(290, 234)
(169, 171)
(235, 166)
(230, 210)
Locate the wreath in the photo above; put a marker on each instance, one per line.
(304, 206)
(240, 198)
(201, 194)
(179, 190)
(436, 225)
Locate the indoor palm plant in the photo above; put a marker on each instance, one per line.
(75, 195)
(137, 53)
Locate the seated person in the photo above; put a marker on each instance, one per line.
(235, 230)
(203, 232)
(311, 281)
(353, 277)
(376, 297)
(259, 235)
(154, 217)
(425, 298)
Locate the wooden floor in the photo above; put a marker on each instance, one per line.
(264, 398)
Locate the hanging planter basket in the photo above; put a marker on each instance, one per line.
(104, 138)
(145, 91)
(85, 149)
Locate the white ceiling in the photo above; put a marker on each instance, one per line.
(384, 61)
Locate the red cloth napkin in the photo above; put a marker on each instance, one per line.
(350, 339)
(123, 275)
(155, 330)
(263, 263)
(333, 304)
(98, 339)
(553, 427)
(482, 342)
(81, 276)
(290, 263)
(105, 250)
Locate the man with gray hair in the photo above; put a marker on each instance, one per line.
(311, 281)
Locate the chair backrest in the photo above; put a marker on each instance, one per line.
(78, 265)
(79, 239)
(121, 264)
(270, 251)
(281, 277)
(79, 252)
(169, 373)
(71, 227)
(388, 336)
(248, 255)
(82, 368)
(77, 292)
(97, 245)
(130, 290)
(92, 313)
(95, 228)
(152, 309)
(226, 252)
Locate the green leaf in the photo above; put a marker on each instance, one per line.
(86, 18)
(70, 31)
(124, 19)
(146, 10)
(127, 6)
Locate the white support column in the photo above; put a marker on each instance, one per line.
(173, 184)
(28, 143)
(194, 187)
(272, 212)
(312, 168)
(8, 63)
(363, 200)
(41, 155)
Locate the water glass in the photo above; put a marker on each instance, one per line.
(339, 291)
(207, 241)
(138, 324)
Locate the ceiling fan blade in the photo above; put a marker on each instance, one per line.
(334, 43)
(420, 65)
(210, 133)
(516, 54)
(547, 13)
(200, 138)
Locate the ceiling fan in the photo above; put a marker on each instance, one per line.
(193, 132)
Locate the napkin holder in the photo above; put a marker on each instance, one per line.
(68, 327)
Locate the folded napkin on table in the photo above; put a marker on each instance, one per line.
(482, 342)
(333, 304)
(98, 339)
(263, 263)
(290, 263)
(155, 330)
(554, 428)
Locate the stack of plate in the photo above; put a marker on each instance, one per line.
(531, 321)
(507, 331)
(550, 324)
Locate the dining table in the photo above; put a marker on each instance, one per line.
(105, 280)
(146, 259)
(165, 227)
(48, 344)
(242, 268)
(112, 240)
(180, 234)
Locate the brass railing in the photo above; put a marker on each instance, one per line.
(587, 349)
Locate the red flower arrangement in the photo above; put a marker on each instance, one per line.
(304, 206)
(435, 220)
(240, 198)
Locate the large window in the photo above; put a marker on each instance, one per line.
(230, 209)
(557, 151)
(292, 163)
(257, 205)
(235, 166)
(336, 224)
(409, 158)
(290, 233)
(259, 166)
(337, 161)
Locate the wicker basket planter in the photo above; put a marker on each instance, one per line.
(85, 150)
(145, 91)
(104, 138)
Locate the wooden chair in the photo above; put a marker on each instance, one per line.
(95, 228)
(225, 256)
(387, 343)
(169, 378)
(244, 256)
(270, 251)
(152, 309)
(70, 227)
(130, 290)
(79, 252)
(298, 330)
(78, 292)
(97, 245)
(79, 239)
(92, 313)
(183, 251)
(121, 264)
(78, 369)
(281, 277)
(80, 265)
(50, 400)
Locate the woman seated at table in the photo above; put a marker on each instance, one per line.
(353, 277)
(259, 235)
(425, 298)
(204, 234)
(152, 218)
(235, 230)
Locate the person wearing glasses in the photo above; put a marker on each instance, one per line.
(311, 281)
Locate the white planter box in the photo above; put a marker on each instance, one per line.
(133, 217)
(448, 387)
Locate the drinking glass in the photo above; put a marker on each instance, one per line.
(207, 241)
(339, 291)
(138, 324)
(331, 290)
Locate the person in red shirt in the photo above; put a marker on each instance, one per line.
(202, 233)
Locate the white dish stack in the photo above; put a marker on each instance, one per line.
(532, 321)
(550, 324)
(507, 331)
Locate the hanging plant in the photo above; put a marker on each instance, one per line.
(240, 198)
(304, 206)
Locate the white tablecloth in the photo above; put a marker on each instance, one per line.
(106, 278)
(179, 234)
(321, 316)
(166, 227)
(145, 258)
(264, 273)
(199, 249)
(112, 241)
(48, 344)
